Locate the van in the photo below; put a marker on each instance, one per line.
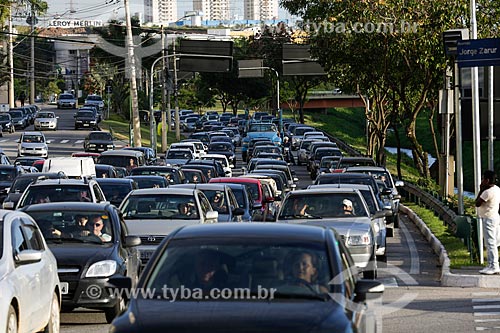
(121, 158)
(73, 167)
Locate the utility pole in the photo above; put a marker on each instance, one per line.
(136, 125)
(77, 83)
(32, 69)
(12, 98)
(164, 128)
(176, 97)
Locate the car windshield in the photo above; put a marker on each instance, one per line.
(150, 182)
(301, 130)
(70, 226)
(247, 266)
(66, 97)
(383, 176)
(219, 147)
(262, 128)
(267, 149)
(100, 136)
(33, 138)
(7, 175)
(45, 115)
(160, 206)
(322, 205)
(326, 152)
(55, 193)
(222, 160)
(179, 154)
(85, 114)
(328, 163)
(16, 114)
(4, 117)
(117, 161)
(115, 193)
(20, 184)
(94, 98)
(345, 163)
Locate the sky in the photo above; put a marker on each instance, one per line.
(105, 9)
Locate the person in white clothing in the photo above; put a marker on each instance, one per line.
(488, 204)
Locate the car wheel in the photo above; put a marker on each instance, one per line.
(76, 127)
(113, 312)
(54, 320)
(390, 232)
(11, 320)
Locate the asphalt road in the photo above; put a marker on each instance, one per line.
(413, 301)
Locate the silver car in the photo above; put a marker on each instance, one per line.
(153, 214)
(46, 120)
(32, 144)
(325, 207)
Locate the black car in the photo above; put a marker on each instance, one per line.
(208, 171)
(223, 148)
(219, 169)
(6, 122)
(265, 289)
(86, 119)
(18, 118)
(149, 181)
(116, 189)
(149, 154)
(172, 174)
(98, 141)
(105, 171)
(21, 183)
(86, 260)
(7, 175)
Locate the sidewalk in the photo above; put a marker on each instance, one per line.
(462, 277)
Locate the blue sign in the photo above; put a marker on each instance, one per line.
(478, 52)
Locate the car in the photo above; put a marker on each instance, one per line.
(298, 135)
(350, 161)
(302, 155)
(149, 154)
(389, 195)
(194, 176)
(95, 100)
(173, 175)
(116, 189)
(91, 244)
(315, 159)
(221, 199)
(32, 144)
(178, 156)
(244, 199)
(27, 161)
(31, 291)
(223, 160)
(153, 214)
(6, 122)
(149, 181)
(86, 119)
(20, 184)
(61, 190)
(105, 171)
(219, 168)
(66, 101)
(324, 207)
(98, 141)
(209, 171)
(8, 173)
(328, 164)
(187, 145)
(122, 158)
(45, 120)
(223, 148)
(265, 149)
(86, 154)
(255, 265)
(260, 130)
(18, 118)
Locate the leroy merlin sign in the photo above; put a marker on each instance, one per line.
(60, 23)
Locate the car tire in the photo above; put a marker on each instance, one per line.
(76, 127)
(55, 316)
(390, 232)
(113, 312)
(12, 324)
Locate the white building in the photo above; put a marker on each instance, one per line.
(160, 12)
(213, 9)
(260, 10)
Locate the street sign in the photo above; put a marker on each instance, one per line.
(250, 68)
(302, 68)
(478, 52)
(296, 52)
(205, 64)
(206, 47)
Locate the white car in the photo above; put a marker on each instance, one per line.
(95, 100)
(223, 160)
(187, 145)
(30, 289)
(45, 120)
(32, 144)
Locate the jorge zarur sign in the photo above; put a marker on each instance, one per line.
(74, 23)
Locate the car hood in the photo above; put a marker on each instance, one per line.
(101, 142)
(5, 121)
(312, 316)
(157, 227)
(85, 118)
(81, 254)
(46, 119)
(344, 226)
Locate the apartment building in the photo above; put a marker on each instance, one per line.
(260, 10)
(160, 12)
(213, 9)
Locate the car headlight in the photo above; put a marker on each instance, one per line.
(110, 146)
(102, 269)
(376, 227)
(91, 145)
(359, 240)
(78, 121)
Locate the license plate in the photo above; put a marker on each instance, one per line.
(64, 288)
(85, 124)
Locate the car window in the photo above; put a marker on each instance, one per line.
(349, 280)
(100, 136)
(324, 205)
(98, 193)
(33, 138)
(7, 175)
(205, 204)
(54, 193)
(247, 264)
(19, 242)
(159, 206)
(32, 235)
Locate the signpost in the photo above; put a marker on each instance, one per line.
(478, 52)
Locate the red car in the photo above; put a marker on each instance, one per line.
(260, 202)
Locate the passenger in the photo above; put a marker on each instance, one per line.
(98, 224)
(184, 211)
(304, 269)
(218, 203)
(131, 165)
(347, 207)
(83, 197)
(299, 209)
(209, 272)
(42, 198)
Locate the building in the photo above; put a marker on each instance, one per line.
(159, 12)
(261, 10)
(213, 9)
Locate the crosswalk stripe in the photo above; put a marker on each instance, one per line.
(487, 328)
(485, 293)
(79, 141)
(485, 300)
(64, 141)
(482, 307)
(4, 140)
(480, 314)
(486, 320)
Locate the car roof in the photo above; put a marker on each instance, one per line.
(256, 230)
(234, 179)
(345, 175)
(205, 186)
(114, 180)
(122, 152)
(60, 181)
(32, 133)
(166, 190)
(366, 168)
(324, 190)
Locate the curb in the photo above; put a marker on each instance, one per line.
(449, 279)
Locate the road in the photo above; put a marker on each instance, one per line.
(413, 301)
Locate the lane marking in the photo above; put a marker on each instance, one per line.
(486, 293)
(414, 258)
(480, 314)
(486, 320)
(487, 328)
(64, 141)
(79, 141)
(484, 300)
(479, 307)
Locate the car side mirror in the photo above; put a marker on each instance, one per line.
(28, 257)
(386, 191)
(257, 205)
(295, 179)
(18, 140)
(368, 290)
(269, 199)
(380, 214)
(399, 183)
(131, 241)
(212, 217)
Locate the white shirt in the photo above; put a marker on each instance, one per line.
(489, 208)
